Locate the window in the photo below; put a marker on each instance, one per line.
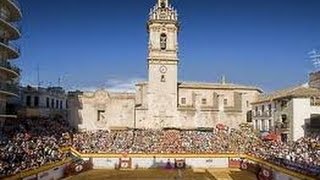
(60, 104)
(204, 101)
(263, 125)
(284, 137)
(284, 118)
(225, 102)
(249, 116)
(257, 110)
(36, 101)
(163, 41)
(269, 107)
(52, 103)
(28, 101)
(262, 108)
(283, 104)
(48, 102)
(248, 104)
(100, 115)
(183, 101)
(314, 101)
(270, 125)
(2, 105)
(257, 125)
(163, 78)
(57, 104)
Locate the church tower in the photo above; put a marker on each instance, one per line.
(163, 61)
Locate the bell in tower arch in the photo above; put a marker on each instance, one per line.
(163, 4)
(163, 41)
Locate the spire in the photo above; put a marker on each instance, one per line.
(163, 11)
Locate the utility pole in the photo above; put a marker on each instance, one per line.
(38, 75)
(59, 82)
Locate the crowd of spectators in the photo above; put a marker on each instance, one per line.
(302, 155)
(37, 142)
(164, 141)
(30, 144)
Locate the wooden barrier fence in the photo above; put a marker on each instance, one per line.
(261, 162)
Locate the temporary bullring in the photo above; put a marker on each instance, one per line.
(164, 166)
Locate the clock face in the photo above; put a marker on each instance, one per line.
(163, 69)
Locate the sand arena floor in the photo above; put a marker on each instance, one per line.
(198, 174)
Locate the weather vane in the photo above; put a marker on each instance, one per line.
(315, 58)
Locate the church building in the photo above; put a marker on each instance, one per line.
(163, 101)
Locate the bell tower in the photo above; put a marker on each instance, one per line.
(163, 30)
(163, 61)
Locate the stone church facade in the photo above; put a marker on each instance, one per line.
(163, 101)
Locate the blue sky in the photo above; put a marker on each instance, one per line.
(103, 43)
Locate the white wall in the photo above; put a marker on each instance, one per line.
(118, 110)
(301, 112)
(151, 162)
(145, 163)
(105, 163)
(52, 174)
(208, 162)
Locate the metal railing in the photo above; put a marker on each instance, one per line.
(17, 26)
(14, 25)
(11, 46)
(267, 113)
(16, 3)
(11, 88)
(9, 66)
(14, 46)
(284, 126)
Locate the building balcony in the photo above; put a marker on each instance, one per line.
(11, 49)
(13, 29)
(9, 89)
(14, 8)
(284, 127)
(12, 70)
(8, 116)
(263, 114)
(256, 114)
(267, 114)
